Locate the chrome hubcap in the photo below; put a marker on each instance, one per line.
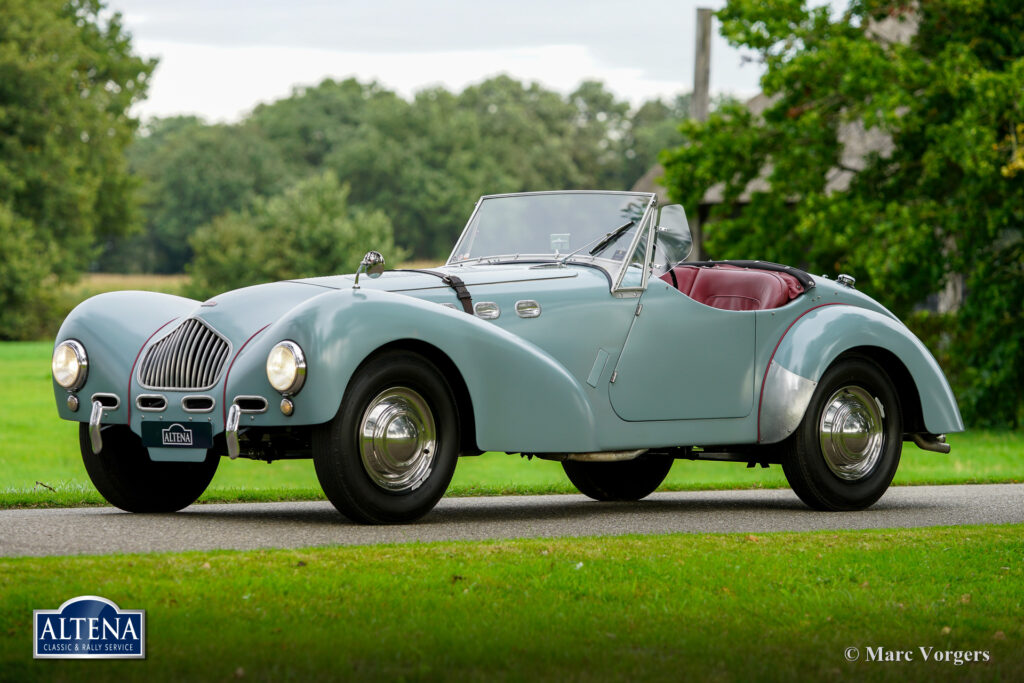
(850, 433)
(397, 439)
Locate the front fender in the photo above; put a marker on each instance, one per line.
(819, 336)
(113, 327)
(523, 399)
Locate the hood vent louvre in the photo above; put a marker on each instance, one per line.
(189, 358)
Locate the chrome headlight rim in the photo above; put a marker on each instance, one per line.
(82, 360)
(299, 360)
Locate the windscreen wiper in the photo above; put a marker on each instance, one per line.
(611, 237)
(605, 241)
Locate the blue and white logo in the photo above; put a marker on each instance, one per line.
(176, 435)
(89, 627)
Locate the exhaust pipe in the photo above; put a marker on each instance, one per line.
(931, 442)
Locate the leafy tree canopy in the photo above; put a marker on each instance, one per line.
(308, 230)
(67, 80)
(423, 161)
(940, 196)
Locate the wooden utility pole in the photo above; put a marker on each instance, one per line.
(701, 103)
(702, 65)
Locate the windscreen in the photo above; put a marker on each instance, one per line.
(551, 225)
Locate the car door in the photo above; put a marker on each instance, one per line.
(683, 360)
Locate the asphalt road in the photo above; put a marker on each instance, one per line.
(72, 531)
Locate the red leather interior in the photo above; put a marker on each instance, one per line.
(732, 288)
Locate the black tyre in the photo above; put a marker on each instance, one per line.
(125, 476)
(388, 455)
(845, 452)
(625, 480)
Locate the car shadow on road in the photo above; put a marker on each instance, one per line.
(556, 508)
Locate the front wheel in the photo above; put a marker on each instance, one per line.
(125, 476)
(388, 455)
(624, 480)
(845, 452)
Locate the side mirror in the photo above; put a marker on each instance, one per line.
(372, 264)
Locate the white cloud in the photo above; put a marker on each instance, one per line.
(222, 83)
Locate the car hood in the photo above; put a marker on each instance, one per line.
(241, 313)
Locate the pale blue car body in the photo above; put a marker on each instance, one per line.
(598, 370)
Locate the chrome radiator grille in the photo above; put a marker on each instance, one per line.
(191, 357)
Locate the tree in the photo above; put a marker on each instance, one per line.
(67, 80)
(308, 230)
(191, 173)
(938, 199)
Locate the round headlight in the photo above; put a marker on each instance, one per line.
(70, 365)
(286, 367)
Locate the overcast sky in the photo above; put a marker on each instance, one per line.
(218, 59)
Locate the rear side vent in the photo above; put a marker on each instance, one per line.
(191, 358)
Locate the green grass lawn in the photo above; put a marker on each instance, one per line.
(35, 446)
(781, 606)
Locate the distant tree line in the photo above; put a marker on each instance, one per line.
(421, 162)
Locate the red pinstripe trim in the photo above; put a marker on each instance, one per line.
(224, 401)
(131, 375)
(772, 357)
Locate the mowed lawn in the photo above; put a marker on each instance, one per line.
(773, 607)
(39, 452)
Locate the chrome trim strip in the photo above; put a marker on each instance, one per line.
(138, 403)
(783, 403)
(250, 411)
(211, 399)
(117, 400)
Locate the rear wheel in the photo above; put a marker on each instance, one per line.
(125, 476)
(388, 455)
(624, 480)
(845, 452)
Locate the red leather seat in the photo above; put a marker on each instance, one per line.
(732, 288)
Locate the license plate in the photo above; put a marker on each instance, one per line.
(177, 434)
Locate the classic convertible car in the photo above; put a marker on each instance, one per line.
(565, 325)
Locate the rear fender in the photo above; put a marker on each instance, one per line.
(818, 338)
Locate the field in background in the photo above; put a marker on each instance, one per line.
(36, 446)
(772, 607)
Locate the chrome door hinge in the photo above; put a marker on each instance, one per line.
(615, 375)
(639, 308)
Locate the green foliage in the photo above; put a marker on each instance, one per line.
(193, 173)
(67, 80)
(941, 200)
(423, 162)
(308, 230)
